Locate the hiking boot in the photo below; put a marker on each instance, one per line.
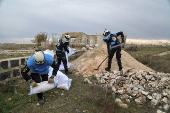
(68, 72)
(121, 73)
(41, 101)
(107, 69)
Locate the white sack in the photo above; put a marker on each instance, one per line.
(47, 51)
(71, 51)
(42, 87)
(61, 81)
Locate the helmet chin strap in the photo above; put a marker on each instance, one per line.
(66, 39)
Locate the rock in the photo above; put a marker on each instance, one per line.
(120, 91)
(145, 93)
(142, 82)
(118, 101)
(166, 107)
(164, 94)
(113, 89)
(125, 96)
(148, 77)
(87, 80)
(123, 105)
(139, 77)
(165, 100)
(137, 100)
(142, 99)
(159, 111)
(135, 89)
(102, 81)
(149, 97)
(154, 102)
(156, 96)
(128, 100)
(137, 86)
(84, 49)
(133, 94)
(98, 75)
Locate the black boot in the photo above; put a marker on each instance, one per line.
(41, 101)
(107, 69)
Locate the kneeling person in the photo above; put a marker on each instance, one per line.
(38, 65)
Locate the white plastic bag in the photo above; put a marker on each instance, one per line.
(71, 51)
(61, 81)
(42, 87)
(47, 51)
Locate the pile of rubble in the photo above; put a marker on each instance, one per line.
(138, 86)
(93, 56)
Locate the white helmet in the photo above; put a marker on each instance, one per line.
(105, 33)
(39, 57)
(67, 36)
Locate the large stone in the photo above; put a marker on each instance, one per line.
(142, 99)
(145, 93)
(159, 111)
(165, 100)
(166, 107)
(118, 101)
(149, 97)
(87, 80)
(102, 81)
(120, 91)
(138, 101)
(154, 102)
(123, 105)
(125, 96)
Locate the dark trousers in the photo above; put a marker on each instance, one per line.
(61, 56)
(39, 78)
(118, 57)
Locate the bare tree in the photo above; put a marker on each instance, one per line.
(40, 37)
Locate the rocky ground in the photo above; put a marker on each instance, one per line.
(140, 84)
(89, 61)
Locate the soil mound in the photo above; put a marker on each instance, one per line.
(89, 61)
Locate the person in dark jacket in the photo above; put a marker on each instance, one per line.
(113, 46)
(38, 65)
(61, 48)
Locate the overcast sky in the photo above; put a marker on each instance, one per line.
(21, 20)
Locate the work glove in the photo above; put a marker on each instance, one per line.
(51, 79)
(32, 83)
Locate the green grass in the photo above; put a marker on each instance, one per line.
(147, 56)
(81, 98)
(6, 56)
